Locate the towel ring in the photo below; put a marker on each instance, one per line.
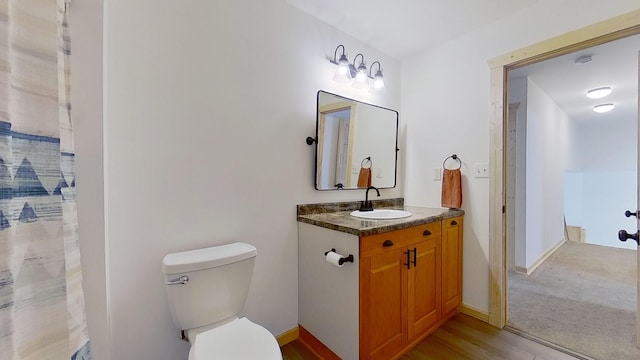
(454, 157)
(368, 158)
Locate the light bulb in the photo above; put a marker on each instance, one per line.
(603, 108)
(342, 73)
(362, 80)
(378, 81)
(599, 93)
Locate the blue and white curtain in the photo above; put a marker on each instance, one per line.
(42, 313)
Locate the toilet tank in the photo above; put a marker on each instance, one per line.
(217, 285)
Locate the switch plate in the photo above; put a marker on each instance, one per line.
(437, 174)
(481, 170)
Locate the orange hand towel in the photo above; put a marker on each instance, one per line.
(364, 178)
(452, 189)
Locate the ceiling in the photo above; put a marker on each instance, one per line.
(403, 28)
(408, 27)
(613, 64)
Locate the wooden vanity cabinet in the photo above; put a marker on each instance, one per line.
(402, 286)
(400, 282)
(382, 314)
(451, 264)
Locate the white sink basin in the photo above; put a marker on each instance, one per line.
(381, 214)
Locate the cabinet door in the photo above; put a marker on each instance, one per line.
(424, 304)
(451, 264)
(382, 314)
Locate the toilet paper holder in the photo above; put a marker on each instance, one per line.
(344, 259)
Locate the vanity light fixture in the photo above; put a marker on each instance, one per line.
(343, 72)
(599, 93)
(358, 76)
(378, 81)
(361, 80)
(603, 108)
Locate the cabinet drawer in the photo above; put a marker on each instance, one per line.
(452, 222)
(379, 243)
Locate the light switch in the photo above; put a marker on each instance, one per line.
(481, 170)
(437, 174)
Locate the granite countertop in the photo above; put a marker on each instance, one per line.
(344, 222)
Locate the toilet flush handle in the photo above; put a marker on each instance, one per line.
(179, 281)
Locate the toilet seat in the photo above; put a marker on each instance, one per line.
(239, 339)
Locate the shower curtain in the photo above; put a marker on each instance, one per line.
(42, 312)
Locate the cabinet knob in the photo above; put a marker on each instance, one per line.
(387, 243)
(454, 222)
(426, 233)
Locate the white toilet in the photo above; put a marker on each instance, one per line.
(207, 289)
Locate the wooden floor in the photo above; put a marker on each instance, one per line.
(463, 337)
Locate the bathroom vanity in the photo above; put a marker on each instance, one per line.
(404, 282)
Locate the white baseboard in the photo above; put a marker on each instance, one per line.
(521, 269)
(474, 312)
(545, 256)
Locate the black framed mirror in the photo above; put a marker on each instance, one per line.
(356, 144)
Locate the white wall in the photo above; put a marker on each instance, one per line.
(606, 197)
(517, 173)
(85, 18)
(547, 128)
(573, 198)
(445, 105)
(605, 183)
(207, 107)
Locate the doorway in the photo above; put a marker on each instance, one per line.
(613, 29)
(564, 161)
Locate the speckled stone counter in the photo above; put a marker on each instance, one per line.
(336, 216)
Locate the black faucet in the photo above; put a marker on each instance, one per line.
(366, 204)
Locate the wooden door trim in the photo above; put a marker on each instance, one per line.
(609, 30)
(638, 221)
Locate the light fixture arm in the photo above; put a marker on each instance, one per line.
(371, 68)
(354, 60)
(335, 54)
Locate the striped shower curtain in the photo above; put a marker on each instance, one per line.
(42, 312)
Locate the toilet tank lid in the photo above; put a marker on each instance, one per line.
(201, 259)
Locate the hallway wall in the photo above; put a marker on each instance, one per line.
(604, 184)
(546, 146)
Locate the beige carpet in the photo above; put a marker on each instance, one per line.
(582, 298)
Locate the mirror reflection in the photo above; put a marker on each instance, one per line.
(356, 144)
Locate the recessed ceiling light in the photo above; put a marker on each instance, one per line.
(599, 93)
(603, 108)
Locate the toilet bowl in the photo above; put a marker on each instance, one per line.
(239, 339)
(206, 289)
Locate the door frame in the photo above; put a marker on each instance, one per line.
(323, 111)
(599, 33)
